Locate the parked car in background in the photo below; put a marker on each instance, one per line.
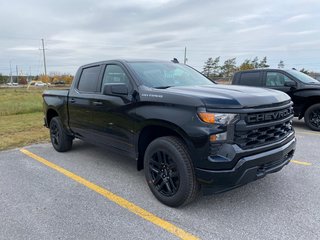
(40, 84)
(303, 90)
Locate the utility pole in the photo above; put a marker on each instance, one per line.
(44, 57)
(185, 56)
(29, 77)
(17, 72)
(10, 73)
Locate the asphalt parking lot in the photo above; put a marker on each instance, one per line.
(41, 200)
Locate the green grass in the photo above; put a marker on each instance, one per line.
(21, 118)
(15, 101)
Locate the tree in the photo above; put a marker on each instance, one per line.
(229, 67)
(211, 68)
(305, 71)
(22, 80)
(246, 65)
(207, 68)
(281, 64)
(215, 67)
(44, 78)
(255, 63)
(3, 79)
(263, 63)
(67, 78)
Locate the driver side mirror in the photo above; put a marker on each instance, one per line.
(115, 89)
(290, 84)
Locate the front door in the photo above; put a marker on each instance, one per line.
(113, 118)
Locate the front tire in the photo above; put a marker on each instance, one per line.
(60, 140)
(169, 171)
(312, 117)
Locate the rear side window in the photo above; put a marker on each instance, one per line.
(251, 79)
(89, 80)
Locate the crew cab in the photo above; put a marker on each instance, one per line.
(185, 131)
(303, 90)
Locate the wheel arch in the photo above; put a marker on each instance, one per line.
(309, 102)
(155, 129)
(51, 113)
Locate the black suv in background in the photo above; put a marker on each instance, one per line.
(303, 90)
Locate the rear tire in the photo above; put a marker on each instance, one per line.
(60, 140)
(169, 171)
(312, 117)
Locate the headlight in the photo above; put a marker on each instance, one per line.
(217, 118)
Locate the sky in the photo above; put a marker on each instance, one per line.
(78, 32)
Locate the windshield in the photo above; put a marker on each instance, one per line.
(166, 74)
(303, 77)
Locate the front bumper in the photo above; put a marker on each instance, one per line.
(247, 169)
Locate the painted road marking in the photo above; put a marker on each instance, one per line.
(301, 163)
(308, 132)
(116, 199)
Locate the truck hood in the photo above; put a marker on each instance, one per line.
(226, 96)
(311, 86)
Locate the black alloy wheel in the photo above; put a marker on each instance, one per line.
(312, 117)
(54, 134)
(169, 171)
(164, 173)
(60, 140)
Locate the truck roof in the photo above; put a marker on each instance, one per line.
(125, 61)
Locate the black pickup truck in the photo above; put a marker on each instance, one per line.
(303, 90)
(185, 131)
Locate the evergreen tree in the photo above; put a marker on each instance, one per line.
(263, 63)
(208, 67)
(255, 63)
(215, 67)
(211, 68)
(229, 67)
(281, 64)
(246, 65)
(305, 71)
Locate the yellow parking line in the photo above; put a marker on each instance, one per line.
(301, 163)
(116, 199)
(308, 132)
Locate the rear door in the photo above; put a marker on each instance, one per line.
(82, 101)
(251, 78)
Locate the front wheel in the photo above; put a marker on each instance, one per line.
(60, 140)
(312, 117)
(169, 171)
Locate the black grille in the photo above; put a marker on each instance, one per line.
(263, 135)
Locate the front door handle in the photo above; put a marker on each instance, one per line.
(97, 103)
(72, 100)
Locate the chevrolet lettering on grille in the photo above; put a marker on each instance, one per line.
(270, 116)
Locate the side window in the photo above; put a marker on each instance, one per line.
(251, 79)
(276, 79)
(89, 79)
(114, 74)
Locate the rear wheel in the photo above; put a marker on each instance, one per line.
(60, 140)
(312, 117)
(169, 171)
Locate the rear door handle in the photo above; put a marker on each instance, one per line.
(97, 103)
(72, 100)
